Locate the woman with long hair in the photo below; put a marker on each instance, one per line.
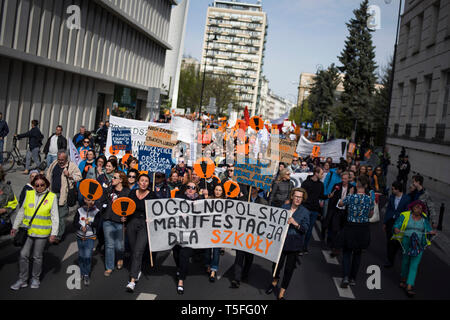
(281, 189)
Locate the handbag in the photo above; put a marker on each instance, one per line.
(376, 214)
(72, 195)
(22, 234)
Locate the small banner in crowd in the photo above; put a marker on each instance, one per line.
(283, 151)
(160, 137)
(298, 178)
(335, 149)
(121, 138)
(254, 174)
(155, 159)
(217, 223)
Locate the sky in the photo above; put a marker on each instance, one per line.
(302, 36)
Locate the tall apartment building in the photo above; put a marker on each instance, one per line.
(74, 76)
(235, 37)
(419, 118)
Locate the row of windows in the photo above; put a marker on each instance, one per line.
(427, 91)
(231, 63)
(235, 24)
(238, 7)
(235, 32)
(233, 47)
(439, 133)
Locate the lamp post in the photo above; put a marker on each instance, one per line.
(392, 75)
(204, 71)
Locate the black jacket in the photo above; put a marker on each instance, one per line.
(106, 203)
(4, 129)
(62, 144)
(315, 191)
(35, 137)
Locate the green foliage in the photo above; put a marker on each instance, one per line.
(217, 86)
(296, 112)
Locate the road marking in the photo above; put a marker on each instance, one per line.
(315, 235)
(329, 259)
(146, 296)
(343, 293)
(73, 248)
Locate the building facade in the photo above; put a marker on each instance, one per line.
(63, 75)
(306, 82)
(272, 106)
(234, 44)
(419, 117)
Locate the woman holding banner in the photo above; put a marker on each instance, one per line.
(112, 223)
(293, 244)
(212, 256)
(137, 229)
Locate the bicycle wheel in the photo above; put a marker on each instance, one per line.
(8, 161)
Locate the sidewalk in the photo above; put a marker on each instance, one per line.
(441, 243)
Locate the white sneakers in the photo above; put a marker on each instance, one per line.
(130, 286)
(18, 285)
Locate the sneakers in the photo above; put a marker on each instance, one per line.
(130, 286)
(19, 284)
(35, 284)
(86, 280)
(235, 284)
(344, 283)
(107, 273)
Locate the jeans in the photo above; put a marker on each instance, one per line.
(350, 263)
(312, 221)
(85, 255)
(50, 159)
(290, 257)
(32, 154)
(137, 234)
(1, 150)
(24, 260)
(113, 232)
(214, 261)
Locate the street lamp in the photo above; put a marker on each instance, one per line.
(392, 75)
(204, 70)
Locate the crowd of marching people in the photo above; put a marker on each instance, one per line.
(343, 196)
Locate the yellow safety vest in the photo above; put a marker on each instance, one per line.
(12, 204)
(407, 215)
(42, 222)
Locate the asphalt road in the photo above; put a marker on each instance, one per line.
(316, 278)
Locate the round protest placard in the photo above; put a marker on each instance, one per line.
(91, 189)
(256, 123)
(232, 189)
(123, 206)
(204, 168)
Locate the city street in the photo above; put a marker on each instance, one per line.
(317, 278)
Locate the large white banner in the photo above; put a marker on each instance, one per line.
(187, 129)
(138, 133)
(217, 223)
(335, 148)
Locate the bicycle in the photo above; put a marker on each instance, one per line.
(12, 157)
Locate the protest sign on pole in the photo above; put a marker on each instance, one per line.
(335, 149)
(217, 223)
(74, 155)
(121, 138)
(255, 174)
(155, 159)
(160, 137)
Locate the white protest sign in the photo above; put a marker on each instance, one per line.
(138, 133)
(185, 128)
(334, 149)
(298, 178)
(217, 223)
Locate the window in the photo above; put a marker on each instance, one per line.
(404, 52)
(440, 131)
(434, 23)
(446, 95)
(413, 86)
(400, 99)
(418, 36)
(422, 130)
(428, 80)
(408, 130)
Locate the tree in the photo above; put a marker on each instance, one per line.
(322, 97)
(307, 115)
(381, 103)
(359, 67)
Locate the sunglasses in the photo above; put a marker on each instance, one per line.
(86, 141)
(116, 178)
(131, 177)
(192, 187)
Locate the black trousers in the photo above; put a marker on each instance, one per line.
(392, 246)
(242, 264)
(181, 256)
(137, 236)
(289, 260)
(351, 260)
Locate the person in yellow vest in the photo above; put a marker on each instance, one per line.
(44, 227)
(411, 229)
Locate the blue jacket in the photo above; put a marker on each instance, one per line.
(295, 237)
(391, 213)
(331, 179)
(4, 129)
